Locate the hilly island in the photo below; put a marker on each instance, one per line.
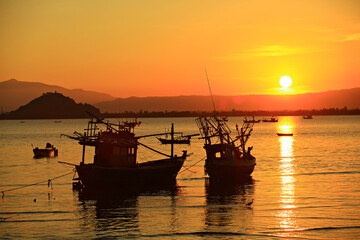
(52, 106)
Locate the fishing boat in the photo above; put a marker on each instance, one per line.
(226, 158)
(251, 120)
(285, 134)
(182, 139)
(272, 119)
(308, 117)
(48, 151)
(115, 160)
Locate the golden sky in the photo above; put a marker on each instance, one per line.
(161, 48)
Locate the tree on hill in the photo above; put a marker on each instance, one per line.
(52, 105)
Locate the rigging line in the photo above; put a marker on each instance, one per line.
(50, 179)
(187, 168)
(154, 150)
(212, 99)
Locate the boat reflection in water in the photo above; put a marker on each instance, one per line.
(286, 216)
(117, 214)
(226, 204)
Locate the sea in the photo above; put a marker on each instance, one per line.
(305, 186)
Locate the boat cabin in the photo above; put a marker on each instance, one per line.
(221, 151)
(116, 149)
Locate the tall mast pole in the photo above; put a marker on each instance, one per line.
(172, 140)
(210, 90)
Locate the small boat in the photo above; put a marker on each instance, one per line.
(115, 160)
(251, 120)
(48, 151)
(132, 124)
(273, 119)
(285, 134)
(57, 121)
(176, 140)
(227, 158)
(308, 117)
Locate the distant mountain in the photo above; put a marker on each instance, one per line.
(52, 106)
(14, 93)
(331, 99)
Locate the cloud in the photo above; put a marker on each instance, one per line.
(350, 37)
(270, 51)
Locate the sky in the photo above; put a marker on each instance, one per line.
(162, 48)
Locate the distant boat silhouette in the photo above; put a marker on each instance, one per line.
(183, 139)
(251, 120)
(284, 134)
(48, 151)
(273, 119)
(308, 117)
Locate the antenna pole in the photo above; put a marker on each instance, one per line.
(212, 99)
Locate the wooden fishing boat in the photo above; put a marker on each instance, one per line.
(115, 161)
(308, 117)
(251, 120)
(182, 139)
(227, 158)
(273, 119)
(285, 134)
(48, 151)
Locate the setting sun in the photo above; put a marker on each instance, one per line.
(285, 81)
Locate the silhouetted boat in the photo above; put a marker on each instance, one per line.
(115, 161)
(132, 124)
(226, 157)
(176, 140)
(273, 119)
(251, 120)
(57, 121)
(308, 117)
(48, 151)
(284, 134)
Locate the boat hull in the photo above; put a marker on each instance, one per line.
(149, 173)
(222, 169)
(175, 141)
(45, 153)
(285, 134)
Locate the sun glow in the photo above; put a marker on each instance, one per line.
(285, 81)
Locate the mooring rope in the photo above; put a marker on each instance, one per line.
(44, 181)
(187, 168)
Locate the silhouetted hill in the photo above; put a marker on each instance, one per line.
(52, 106)
(331, 99)
(14, 94)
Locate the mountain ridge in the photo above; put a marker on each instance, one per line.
(329, 99)
(14, 93)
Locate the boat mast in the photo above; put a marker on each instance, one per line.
(172, 140)
(212, 99)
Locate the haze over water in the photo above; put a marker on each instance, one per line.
(306, 186)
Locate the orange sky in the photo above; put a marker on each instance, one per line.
(161, 48)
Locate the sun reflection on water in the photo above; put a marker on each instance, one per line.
(286, 215)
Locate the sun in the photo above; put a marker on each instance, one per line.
(285, 81)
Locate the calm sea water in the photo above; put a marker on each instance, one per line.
(305, 187)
